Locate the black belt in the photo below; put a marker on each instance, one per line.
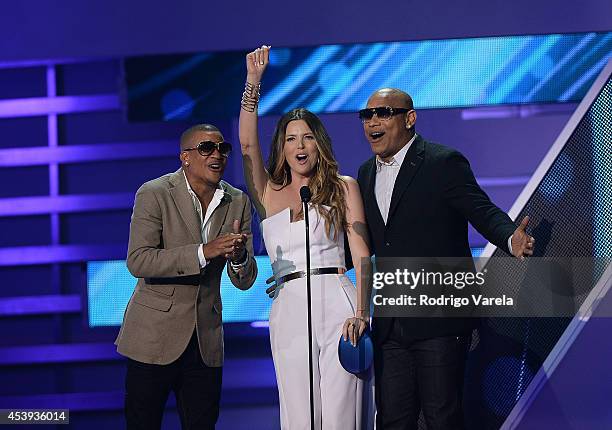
(302, 274)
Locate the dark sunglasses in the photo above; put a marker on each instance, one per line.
(208, 146)
(384, 113)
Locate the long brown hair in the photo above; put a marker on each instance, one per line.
(326, 185)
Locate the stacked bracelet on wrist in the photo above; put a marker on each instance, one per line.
(250, 96)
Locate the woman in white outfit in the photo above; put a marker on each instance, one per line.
(301, 155)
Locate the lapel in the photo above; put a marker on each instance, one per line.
(218, 216)
(371, 205)
(411, 164)
(184, 204)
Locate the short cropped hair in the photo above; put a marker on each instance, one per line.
(193, 129)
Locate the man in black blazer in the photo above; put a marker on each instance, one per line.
(419, 197)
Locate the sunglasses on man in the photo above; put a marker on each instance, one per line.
(383, 113)
(207, 147)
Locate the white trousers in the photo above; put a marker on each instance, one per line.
(342, 401)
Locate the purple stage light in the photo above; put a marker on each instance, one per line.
(43, 155)
(42, 106)
(508, 181)
(260, 324)
(521, 111)
(38, 305)
(62, 353)
(65, 204)
(28, 255)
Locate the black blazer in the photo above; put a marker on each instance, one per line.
(434, 197)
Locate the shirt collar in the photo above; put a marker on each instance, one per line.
(398, 158)
(218, 192)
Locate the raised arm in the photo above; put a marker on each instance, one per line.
(252, 161)
(357, 233)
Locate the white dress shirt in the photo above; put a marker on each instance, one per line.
(204, 218)
(386, 174)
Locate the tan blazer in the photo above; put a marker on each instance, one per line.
(173, 295)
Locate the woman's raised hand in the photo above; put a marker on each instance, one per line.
(256, 63)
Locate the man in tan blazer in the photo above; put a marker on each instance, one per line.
(185, 226)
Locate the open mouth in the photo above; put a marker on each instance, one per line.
(301, 158)
(215, 167)
(376, 135)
